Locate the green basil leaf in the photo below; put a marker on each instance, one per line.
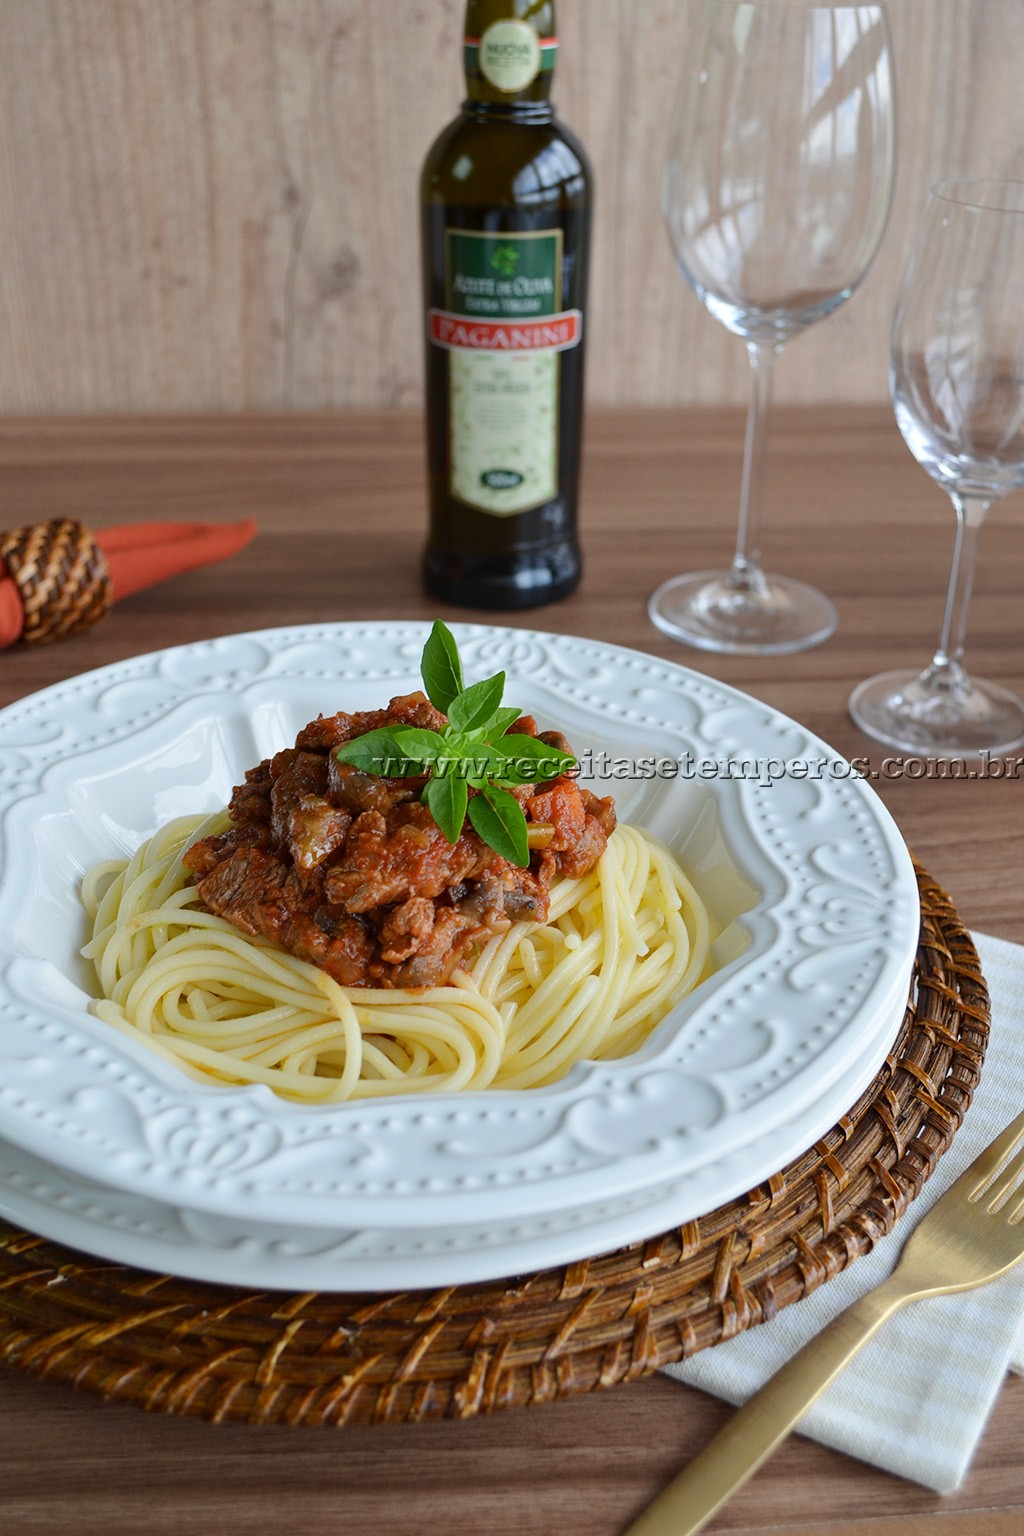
(378, 752)
(469, 765)
(441, 668)
(503, 718)
(421, 745)
(475, 706)
(469, 740)
(446, 799)
(530, 749)
(498, 818)
(520, 745)
(525, 760)
(492, 765)
(461, 744)
(487, 760)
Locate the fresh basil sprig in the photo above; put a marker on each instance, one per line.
(471, 752)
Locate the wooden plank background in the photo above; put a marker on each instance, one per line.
(211, 204)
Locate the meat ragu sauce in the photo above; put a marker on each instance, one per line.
(349, 871)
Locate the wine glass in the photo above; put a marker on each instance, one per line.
(776, 194)
(957, 379)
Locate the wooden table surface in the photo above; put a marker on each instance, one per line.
(340, 502)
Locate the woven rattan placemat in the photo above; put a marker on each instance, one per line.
(178, 1346)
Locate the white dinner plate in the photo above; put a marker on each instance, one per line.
(174, 1239)
(810, 885)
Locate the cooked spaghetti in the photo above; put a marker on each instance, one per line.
(620, 946)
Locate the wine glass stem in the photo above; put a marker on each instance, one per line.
(947, 663)
(746, 566)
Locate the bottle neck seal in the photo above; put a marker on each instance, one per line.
(509, 53)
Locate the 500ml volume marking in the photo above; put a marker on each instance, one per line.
(501, 479)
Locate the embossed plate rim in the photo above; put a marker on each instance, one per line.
(182, 1162)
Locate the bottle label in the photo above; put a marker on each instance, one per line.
(510, 55)
(503, 327)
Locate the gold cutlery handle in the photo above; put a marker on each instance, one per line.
(766, 1419)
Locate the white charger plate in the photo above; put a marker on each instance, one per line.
(808, 879)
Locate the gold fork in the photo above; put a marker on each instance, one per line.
(964, 1241)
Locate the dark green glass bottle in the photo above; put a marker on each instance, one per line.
(505, 196)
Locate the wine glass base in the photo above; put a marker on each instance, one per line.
(712, 611)
(898, 710)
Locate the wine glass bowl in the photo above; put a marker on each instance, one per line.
(776, 193)
(957, 382)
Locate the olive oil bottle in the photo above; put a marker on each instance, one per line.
(505, 199)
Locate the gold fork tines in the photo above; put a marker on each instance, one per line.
(1009, 1173)
(965, 1240)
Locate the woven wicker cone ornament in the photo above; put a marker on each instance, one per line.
(177, 1346)
(57, 578)
(61, 575)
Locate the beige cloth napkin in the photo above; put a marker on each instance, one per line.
(916, 1400)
